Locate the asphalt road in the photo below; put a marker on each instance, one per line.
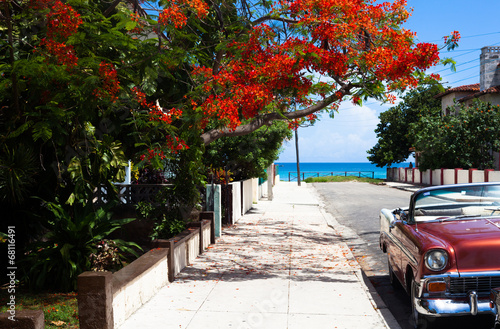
(356, 207)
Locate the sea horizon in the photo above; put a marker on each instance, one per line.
(288, 170)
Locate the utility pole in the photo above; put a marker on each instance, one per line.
(297, 152)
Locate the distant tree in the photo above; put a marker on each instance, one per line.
(393, 132)
(466, 140)
(250, 155)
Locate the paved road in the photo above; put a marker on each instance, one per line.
(356, 206)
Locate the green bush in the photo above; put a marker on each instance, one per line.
(167, 222)
(64, 251)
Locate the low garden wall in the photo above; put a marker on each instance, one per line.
(22, 319)
(442, 176)
(106, 300)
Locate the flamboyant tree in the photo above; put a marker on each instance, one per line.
(269, 70)
(86, 85)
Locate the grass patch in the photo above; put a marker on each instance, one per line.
(336, 179)
(60, 309)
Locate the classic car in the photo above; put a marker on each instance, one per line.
(444, 249)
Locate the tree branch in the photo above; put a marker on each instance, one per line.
(266, 119)
(270, 18)
(111, 8)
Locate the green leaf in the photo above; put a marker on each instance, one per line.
(451, 62)
(41, 130)
(65, 251)
(131, 25)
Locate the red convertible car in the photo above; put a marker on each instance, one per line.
(445, 249)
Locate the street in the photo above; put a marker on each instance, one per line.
(356, 207)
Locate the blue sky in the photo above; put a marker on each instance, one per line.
(348, 136)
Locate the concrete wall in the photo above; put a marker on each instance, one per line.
(106, 300)
(416, 176)
(206, 236)
(448, 176)
(255, 190)
(193, 246)
(127, 298)
(436, 177)
(409, 174)
(180, 255)
(402, 174)
(247, 186)
(236, 186)
(462, 176)
(244, 195)
(494, 176)
(477, 176)
(426, 177)
(442, 176)
(262, 190)
(22, 319)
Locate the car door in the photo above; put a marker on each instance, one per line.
(394, 248)
(405, 235)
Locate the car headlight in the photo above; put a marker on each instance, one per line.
(436, 260)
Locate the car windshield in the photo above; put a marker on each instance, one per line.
(457, 202)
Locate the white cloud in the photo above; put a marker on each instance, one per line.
(346, 138)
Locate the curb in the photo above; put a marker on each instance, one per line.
(372, 294)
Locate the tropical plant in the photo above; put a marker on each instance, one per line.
(73, 234)
(107, 256)
(465, 140)
(17, 173)
(167, 221)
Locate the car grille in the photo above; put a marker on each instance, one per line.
(480, 284)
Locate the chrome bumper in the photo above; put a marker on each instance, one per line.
(451, 307)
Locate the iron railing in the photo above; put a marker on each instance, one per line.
(292, 176)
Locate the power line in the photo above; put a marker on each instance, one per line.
(466, 37)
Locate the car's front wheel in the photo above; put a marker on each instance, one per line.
(420, 321)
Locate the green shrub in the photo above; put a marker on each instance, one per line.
(167, 222)
(64, 251)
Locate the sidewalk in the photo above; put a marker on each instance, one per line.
(280, 266)
(405, 186)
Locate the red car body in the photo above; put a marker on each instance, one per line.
(445, 249)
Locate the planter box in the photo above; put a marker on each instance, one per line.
(106, 300)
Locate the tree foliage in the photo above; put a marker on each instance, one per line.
(139, 79)
(395, 141)
(466, 140)
(86, 85)
(250, 155)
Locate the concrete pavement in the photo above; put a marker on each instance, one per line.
(282, 265)
(405, 186)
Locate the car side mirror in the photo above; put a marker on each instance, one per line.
(388, 217)
(403, 216)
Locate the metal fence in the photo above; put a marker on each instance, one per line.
(292, 176)
(131, 193)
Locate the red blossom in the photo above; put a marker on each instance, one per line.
(110, 83)
(155, 111)
(175, 13)
(62, 22)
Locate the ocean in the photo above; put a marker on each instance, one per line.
(288, 170)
